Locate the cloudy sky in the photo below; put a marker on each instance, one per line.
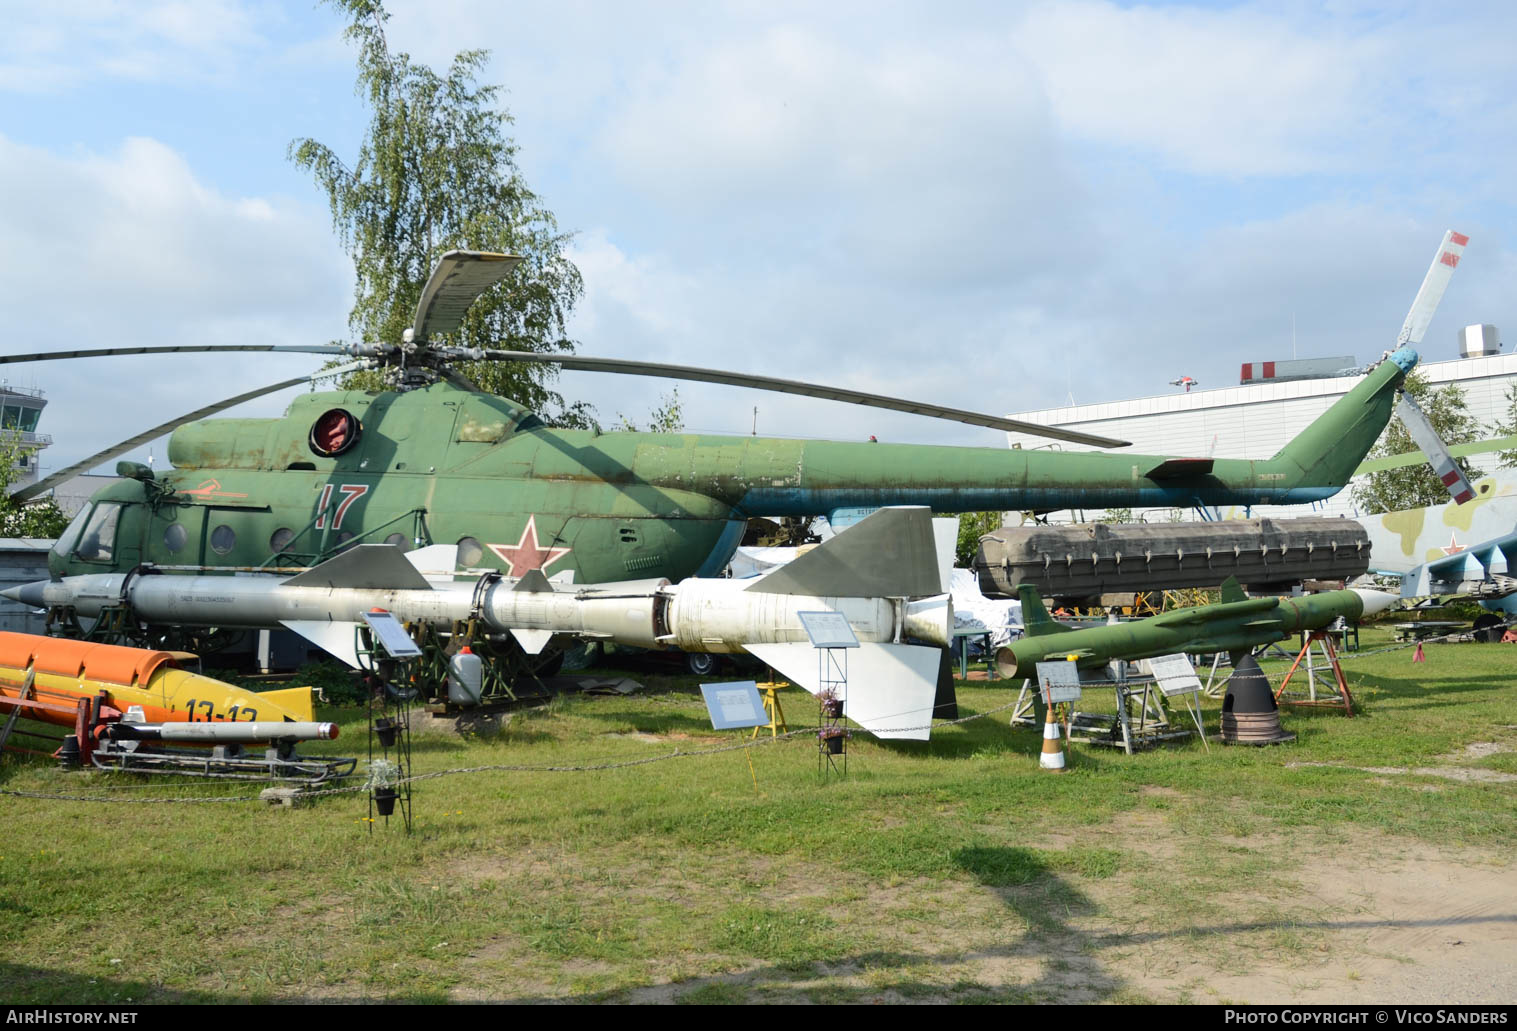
(996, 205)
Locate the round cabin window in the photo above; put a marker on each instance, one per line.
(334, 432)
(174, 537)
(280, 539)
(398, 540)
(223, 539)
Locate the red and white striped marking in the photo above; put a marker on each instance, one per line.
(1447, 258)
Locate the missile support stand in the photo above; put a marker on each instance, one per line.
(1329, 698)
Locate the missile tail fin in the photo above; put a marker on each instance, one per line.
(1232, 591)
(945, 705)
(534, 582)
(436, 562)
(890, 553)
(368, 566)
(891, 689)
(1035, 618)
(338, 639)
(295, 699)
(532, 641)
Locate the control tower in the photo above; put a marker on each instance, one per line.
(20, 409)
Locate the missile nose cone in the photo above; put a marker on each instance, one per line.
(28, 594)
(1376, 602)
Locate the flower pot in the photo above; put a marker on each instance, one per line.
(832, 710)
(834, 744)
(384, 729)
(384, 800)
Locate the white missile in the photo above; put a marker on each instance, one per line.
(881, 574)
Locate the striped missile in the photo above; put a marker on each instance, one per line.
(55, 673)
(1238, 624)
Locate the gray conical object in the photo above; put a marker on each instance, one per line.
(1249, 713)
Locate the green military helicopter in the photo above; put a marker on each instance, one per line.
(435, 461)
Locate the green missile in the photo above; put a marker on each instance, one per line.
(1236, 625)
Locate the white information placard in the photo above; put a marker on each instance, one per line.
(389, 632)
(1174, 674)
(734, 705)
(828, 630)
(1059, 682)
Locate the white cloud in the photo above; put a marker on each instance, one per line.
(56, 46)
(130, 248)
(978, 206)
(1218, 91)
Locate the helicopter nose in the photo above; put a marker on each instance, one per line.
(27, 594)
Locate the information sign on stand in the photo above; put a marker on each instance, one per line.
(391, 634)
(831, 636)
(1176, 677)
(1174, 673)
(1059, 682)
(828, 630)
(734, 705)
(390, 726)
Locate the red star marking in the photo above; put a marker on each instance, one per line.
(1453, 547)
(522, 557)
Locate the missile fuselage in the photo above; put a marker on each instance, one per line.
(63, 671)
(1226, 627)
(696, 615)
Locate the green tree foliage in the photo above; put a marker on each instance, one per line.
(973, 526)
(1507, 427)
(39, 518)
(436, 171)
(1416, 486)
(668, 417)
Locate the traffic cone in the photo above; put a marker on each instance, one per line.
(1053, 746)
(1417, 655)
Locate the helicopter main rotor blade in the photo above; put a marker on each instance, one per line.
(789, 386)
(457, 281)
(32, 490)
(106, 352)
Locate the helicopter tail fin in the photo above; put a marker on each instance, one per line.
(1327, 452)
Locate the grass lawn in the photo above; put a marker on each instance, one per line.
(950, 870)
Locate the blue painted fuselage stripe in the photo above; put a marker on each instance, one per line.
(800, 501)
(724, 549)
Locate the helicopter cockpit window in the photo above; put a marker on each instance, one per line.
(334, 432)
(98, 541)
(66, 541)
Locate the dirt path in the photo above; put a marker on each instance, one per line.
(1390, 923)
